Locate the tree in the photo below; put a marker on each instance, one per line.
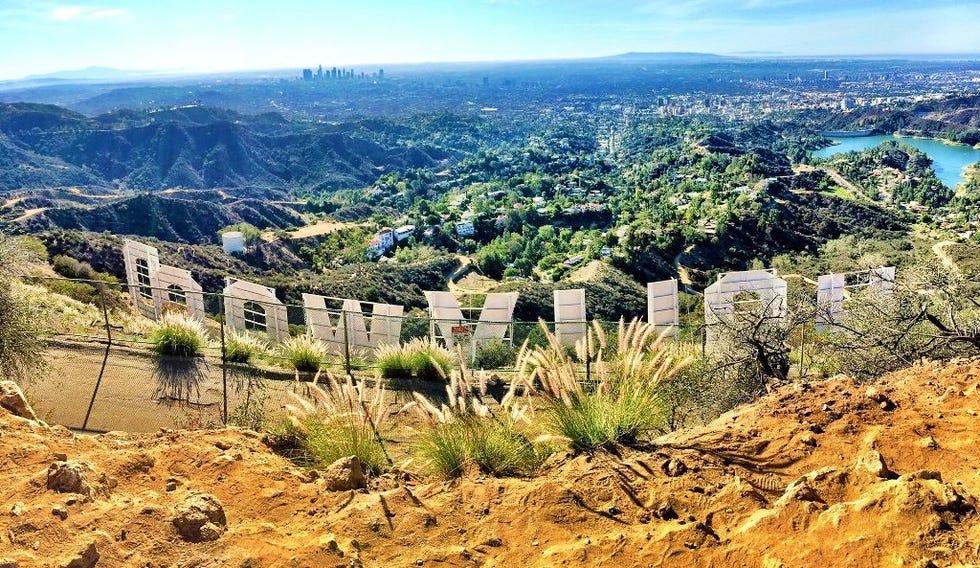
(933, 311)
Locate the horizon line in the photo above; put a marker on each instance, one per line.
(753, 54)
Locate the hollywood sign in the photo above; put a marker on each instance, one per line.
(340, 323)
(156, 288)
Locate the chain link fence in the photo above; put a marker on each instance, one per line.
(103, 374)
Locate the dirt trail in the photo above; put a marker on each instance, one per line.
(321, 228)
(30, 213)
(822, 474)
(939, 249)
(834, 175)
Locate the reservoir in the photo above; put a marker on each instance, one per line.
(949, 160)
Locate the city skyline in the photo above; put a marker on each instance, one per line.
(179, 36)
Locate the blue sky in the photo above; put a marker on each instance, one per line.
(217, 35)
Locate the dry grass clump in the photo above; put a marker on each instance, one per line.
(423, 358)
(303, 354)
(429, 360)
(178, 335)
(393, 362)
(466, 430)
(243, 347)
(617, 405)
(335, 420)
(180, 341)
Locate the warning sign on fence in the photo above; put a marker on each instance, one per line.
(461, 332)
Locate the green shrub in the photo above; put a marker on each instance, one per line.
(178, 335)
(617, 406)
(444, 447)
(81, 291)
(337, 420)
(21, 351)
(429, 361)
(243, 347)
(494, 354)
(304, 354)
(465, 431)
(497, 448)
(414, 326)
(393, 362)
(100, 285)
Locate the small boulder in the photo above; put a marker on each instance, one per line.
(73, 477)
(799, 490)
(883, 401)
(85, 559)
(345, 474)
(200, 518)
(674, 467)
(60, 511)
(13, 400)
(872, 462)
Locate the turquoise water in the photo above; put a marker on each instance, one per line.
(948, 160)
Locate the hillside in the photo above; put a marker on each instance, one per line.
(829, 473)
(193, 147)
(175, 220)
(955, 118)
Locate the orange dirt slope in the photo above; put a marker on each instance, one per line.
(833, 473)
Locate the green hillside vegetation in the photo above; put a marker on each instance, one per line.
(175, 220)
(196, 147)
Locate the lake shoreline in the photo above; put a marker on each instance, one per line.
(950, 160)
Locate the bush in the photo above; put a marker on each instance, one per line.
(100, 285)
(80, 291)
(429, 361)
(21, 352)
(617, 406)
(243, 347)
(499, 449)
(494, 354)
(444, 448)
(393, 362)
(466, 432)
(336, 421)
(178, 335)
(304, 354)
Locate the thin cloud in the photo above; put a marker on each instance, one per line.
(84, 13)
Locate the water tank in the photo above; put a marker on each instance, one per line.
(233, 242)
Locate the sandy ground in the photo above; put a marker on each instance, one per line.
(822, 474)
(320, 228)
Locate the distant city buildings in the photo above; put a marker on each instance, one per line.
(335, 73)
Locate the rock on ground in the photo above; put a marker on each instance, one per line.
(13, 400)
(345, 474)
(200, 518)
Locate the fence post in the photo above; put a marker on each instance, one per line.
(472, 333)
(343, 314)
(802, 344)
(105, 358)
(224, 376)
(588, 356)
